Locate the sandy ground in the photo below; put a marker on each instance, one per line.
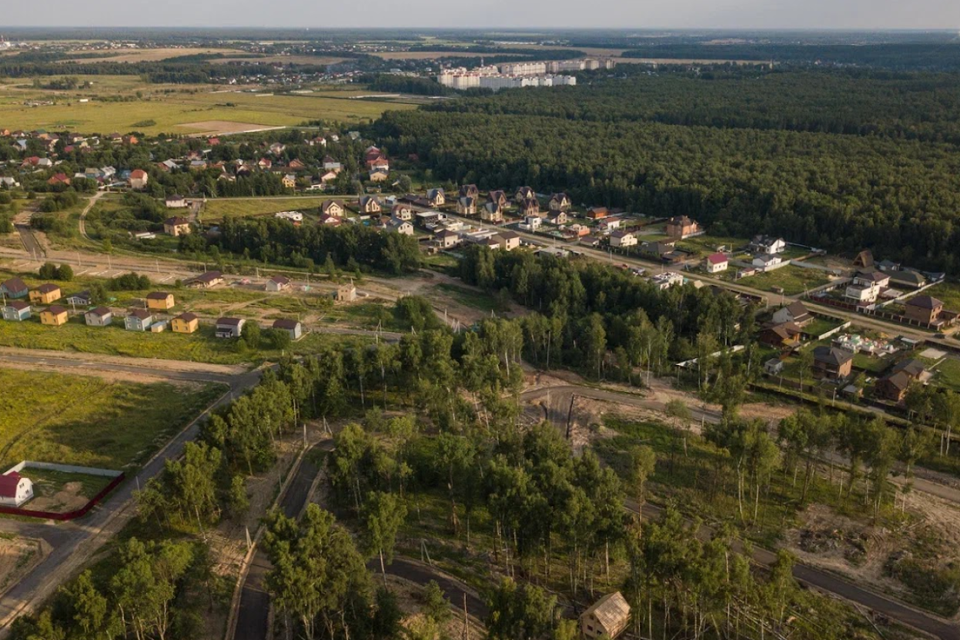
(224, 127)
(104, 374)
(18, 557)
(68, 498)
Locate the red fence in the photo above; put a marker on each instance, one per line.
(70, 515)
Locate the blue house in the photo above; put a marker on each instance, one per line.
(14, 288)
(16, 310)
(138, 320)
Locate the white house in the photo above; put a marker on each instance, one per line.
(446, 239)
(666, 280)
(277, 283)
(767, 261)
(15, 489)
(176, 202)
(623, 239)
(99, 317)
(717, 262)
(510, 240)
(229, 327)
(403, 227)
(768, 245)
(292, 327)
(866, 286)
(16, 310)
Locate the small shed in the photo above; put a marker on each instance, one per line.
(292, 327)
(15, 489)
(346, 293)
(230, 327)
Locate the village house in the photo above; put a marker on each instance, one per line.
(332, 208)
(623, 239)
(608, 617)
(296, 217)
(175, 201)
(894, 385)
(773, 367)
(559, 202)
(864, 259)
(906, 278)
(832, 363)
(265, 164)
(289, 181)
(558, 218)
(795, 312)
(499, 197)
(403, 227)
(346, 293)
(467, 205)
(379, 175)
(16, 310)
(138, 320)
(99, 317)
(491, 212)
(369, 205)
(767, 245)
(924, 309)
(531, 223)
(530, 207)
(523, 194)
(15, 489)
(785, 335)
(54, 316)
(79, 299)
(509, 240)
(14, 288)
(160, 301)
(185, 323)
(176, 226)
(229, 327)
(436, 197)
(401, 212)
(292, 327)
(866, 287)
(446, 239)
(277, 283)
(716, 262)
(206, 280)
(597, 213)
(767, 261)
(469, 191)
(609, 224)
(59, 179)
(330, 164)
(45, 294)
(680, 227)
(138, 179)
(326, 219)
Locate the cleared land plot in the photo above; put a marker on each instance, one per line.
(60, 492)
(223, 127)
(215, 210)
(53, 417)
(150, 55)
(792, 280)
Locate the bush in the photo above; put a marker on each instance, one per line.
(128, 282)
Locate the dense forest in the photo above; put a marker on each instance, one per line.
(838, 192)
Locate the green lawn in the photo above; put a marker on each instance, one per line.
(215, 210)
(793, 280)
(948, 292)
(52, 417)
(820, 326)
(948, 373)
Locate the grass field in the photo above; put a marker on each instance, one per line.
(792, 280)
(151, 55)
(51, 417)
(215, 210)
(948, 292)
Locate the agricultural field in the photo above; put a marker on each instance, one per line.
(83, 420)
(151, 55)
(792, 280)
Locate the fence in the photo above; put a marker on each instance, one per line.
(70, 515)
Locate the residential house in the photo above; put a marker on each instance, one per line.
(59, 179)
(531, 223)
(446, 239)
(894, 385)
(436, 197)
(326, 219)
(379, 175)
(332, 208)
(185, 323)
(467, 205)
(716, 262)
(667, 279)
(168, 165)
(79, 299)
(292, 327)
(16, 310)
(401, 212)
(623, 239)
(499, 197)
(403, 227)
(866, 286)
(510, 240)
(924, 309)
(138, 320)
(329, 164)
(138, 179)
(54, 316)
(296, 217)
(795, 312)
(346, 293)
(369, 205)
(767, 245)
(773, 367)
(491, 212)
(864, 259)
(175, 201)
(99, 317)
(469, 191)
(523, 194)
(680, 227)
(559, 202)
(767, 261)
(906, 278)
(265, 164)
(597, 213)
(832, 363)
(289, 181)
(160, 300)
(785, 335)
(14, 288)
(609, 224)
(45, 294)
(206, 280)
(608, 617)
(530, 207)
(229, 327)
(277, 283)
(655, 250)
(176, 226)
(558, 218)
(15, 489)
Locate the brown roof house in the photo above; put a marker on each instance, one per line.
(785, 335)
(45, 294)
(794, 312)
(924, 309)
(292, 327)
(176, 226)
(831, 363)
(681, 227)
(894, 385)
(608, 617)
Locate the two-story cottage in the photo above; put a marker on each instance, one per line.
(138, 320)
(45, 294)
(16, 311)
(99, 317)
(14, 288)
(160, 301)
(54, 316)
(332, 208)
(176, 226)
(185, 323)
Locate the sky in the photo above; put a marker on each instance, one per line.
(514, 14)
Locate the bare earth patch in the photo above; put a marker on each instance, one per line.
(224, 127)
(69, 498)
(17, 558)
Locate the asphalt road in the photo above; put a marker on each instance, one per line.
(74, 543)
(556, 410)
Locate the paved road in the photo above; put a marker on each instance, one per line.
(556, 409)
(75, 543)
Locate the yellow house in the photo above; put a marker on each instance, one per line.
(54, 316)
(289, 181)
(45, 294)
(185, 323)
(160, 301)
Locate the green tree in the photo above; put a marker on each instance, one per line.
(383, 515)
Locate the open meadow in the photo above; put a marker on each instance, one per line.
(52, 417)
